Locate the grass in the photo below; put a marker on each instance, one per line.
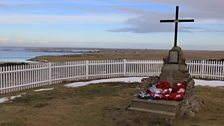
(99, 105)
(132, 55)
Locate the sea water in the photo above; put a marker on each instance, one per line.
(20, 55)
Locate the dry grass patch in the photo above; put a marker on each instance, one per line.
(99, 105)
(132, 55)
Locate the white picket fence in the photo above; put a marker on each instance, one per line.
(20, 77)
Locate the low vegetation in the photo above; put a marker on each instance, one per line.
(132, 55)
(100, 105)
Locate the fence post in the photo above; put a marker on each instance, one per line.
(125, 66)
(87, 69)
(203, 67)
(222, 75)
(50, 73)
(1, 81)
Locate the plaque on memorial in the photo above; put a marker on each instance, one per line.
(173, 57)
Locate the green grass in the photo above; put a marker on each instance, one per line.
(99, 105)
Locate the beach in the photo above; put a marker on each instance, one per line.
(22, 54)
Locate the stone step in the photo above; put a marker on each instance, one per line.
(169, 115)
(160, 107)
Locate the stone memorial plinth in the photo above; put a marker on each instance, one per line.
(174, 69)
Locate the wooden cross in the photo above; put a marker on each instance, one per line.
(177, 20)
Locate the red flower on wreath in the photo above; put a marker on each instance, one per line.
(179, 86)
(163, 85)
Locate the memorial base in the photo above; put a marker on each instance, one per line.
(169, 109)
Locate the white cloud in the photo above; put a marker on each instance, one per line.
(98, 19)
(205, 12)
(140, 20)
(3, 40)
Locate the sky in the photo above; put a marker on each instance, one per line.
(111, 24)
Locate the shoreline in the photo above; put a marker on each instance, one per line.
(117, 54)
(132, 55)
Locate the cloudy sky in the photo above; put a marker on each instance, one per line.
(111, 23)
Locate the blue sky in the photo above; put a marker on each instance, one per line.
(110, 23)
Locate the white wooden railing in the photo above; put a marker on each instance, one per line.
(20, 77)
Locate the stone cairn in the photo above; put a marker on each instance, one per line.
(175, 70)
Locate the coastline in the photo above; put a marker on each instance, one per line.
(131, 54)
(19, 55)
(77, 54)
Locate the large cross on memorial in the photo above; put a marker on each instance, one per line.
(177, 20)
